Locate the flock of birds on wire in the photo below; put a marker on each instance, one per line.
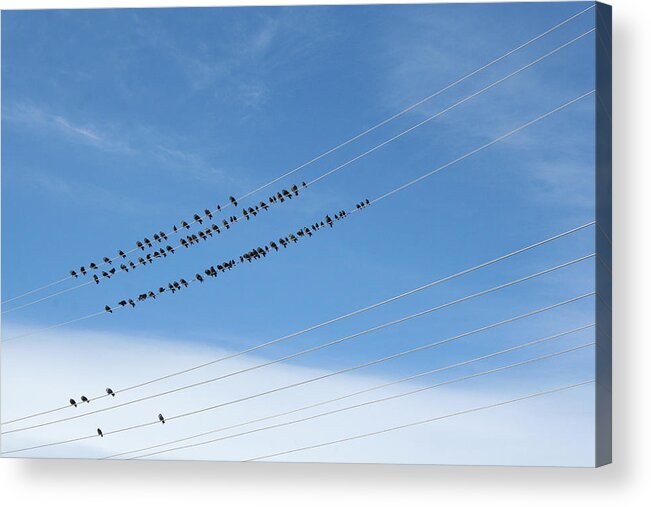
(256, 253)
(189, 240)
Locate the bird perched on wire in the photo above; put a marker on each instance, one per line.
(184, 224)
(199, 278)
(109, 391)
(92, 265)
(73, 273)
(82, 270)
(197, 218)
(208, 213)
(140, 245)
(107, 260)
(123, 303)
(99, 432)
(147, 242)
(133, 305)
(84, 399)
(96, 278)
(161, 418)
(73, 402)
(232, 200)
(122, 254)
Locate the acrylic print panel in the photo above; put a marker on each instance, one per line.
(375, 234)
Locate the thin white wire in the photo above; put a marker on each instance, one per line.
(350, 395)
(349, 369)
(368, 403)
(367, 152)
(325, 323)
(424, 421)
(402, 187)
(352, 139)
(300, 353)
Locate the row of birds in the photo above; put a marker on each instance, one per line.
(189, 240)
(256, 253)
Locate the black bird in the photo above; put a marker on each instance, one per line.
(199, 277)
(171, 287)
(208, 213)
(73, 273)
(110, 391)
(246, 214)
(367, 201)
(294, 189)
(185, 224)
(219, 208)
(252, 211)
(208, 232)
(328, 220)
(122, 254)
(213, 272)
(123, 303)
(226, 224)
(99, 432)
(233, 201)
(161, 290)
(163, 235)
(141, 261)
(161, 418)
(149, 259)
(197, 218)
(139, 245)
(147, 242)
(169, 249)
(108, 309)
(95, 277)
(174, 229)
(273, 245)
(142, 297)
(358, 206)
(151, 294)
(282, 242)
(133, 305)
(73, 402)
(215, 228)
(132, 265)
(156, 237)
(156, 255)
(280, 196)
(177, 286)
(112, 271)
(202, 235)
(92, 265)
(182, 280)
(105, 274)
(304, 185)
(293, 238)
(107, 260)
(82, 270)
(162, 252)
(85, 400)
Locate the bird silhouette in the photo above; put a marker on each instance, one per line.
(133, 305)
(107, 260)
(169, 249)
(123, 303)
(147, 242)
(161, 418)
(294, 189)
(84, 399)
(92, 265)
(197, 218)
(99, 432)
(122, 254)
(156, 237)
(73, 273)
(208, 213)
(96, 278)
(124, 268)
(163, 235)
(185, 224)
(73, 402)
(82, 270)
(139, 245)
(199, 277)
(233, 200)
(108, 309)
(110, 391)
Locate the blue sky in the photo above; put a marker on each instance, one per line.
(119, 123)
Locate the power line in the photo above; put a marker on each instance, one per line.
(424, 421)
(309, 350)
(398, 189)
(346, 370)
(356, 137)
(358, 157)
(368, 403)
(350, 395)
(327, 322)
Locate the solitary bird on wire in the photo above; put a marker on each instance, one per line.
(99, 432)
(85, 400)
(161, 418)
(73, 402)
(110, 391)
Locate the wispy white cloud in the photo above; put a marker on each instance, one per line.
(47, 371)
